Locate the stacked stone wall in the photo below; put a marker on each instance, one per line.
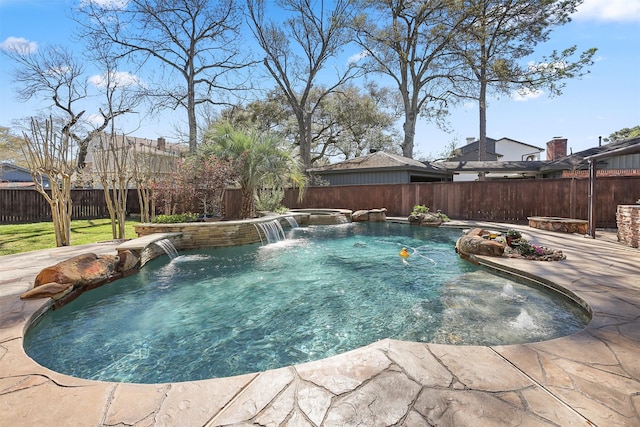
(628, 221)
(205, 234)
(199, 235)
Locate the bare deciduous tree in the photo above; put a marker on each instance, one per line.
(150, 167)
(50, 155)
(346, 123)
(55, 73)
(194, 43)
(297, 49)
(409, 42)
(113, 163)
(114, 157)
(357, 122)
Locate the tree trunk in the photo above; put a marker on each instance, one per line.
(61, 204)
(144, 200)
(482, 110)
(191, 113)
(304, 126)
(409, 134)
(248, 205)
(50, 156)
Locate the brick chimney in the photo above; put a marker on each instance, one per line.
(162, 144)
(557, 148)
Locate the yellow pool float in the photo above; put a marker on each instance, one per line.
(403, 253)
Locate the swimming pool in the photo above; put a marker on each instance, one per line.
(323, 291)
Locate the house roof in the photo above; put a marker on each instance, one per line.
(150, 145)
(628, 146)
(13, 185)
(474, 144)
(8, 165)
(521, 143)
(574, 161)
(491, 166)
(379, 160)
(580, 159)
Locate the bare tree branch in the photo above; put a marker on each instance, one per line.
(194, 42)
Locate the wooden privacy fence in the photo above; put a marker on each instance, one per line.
(500, 201)
(23, 206)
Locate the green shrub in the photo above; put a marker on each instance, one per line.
(514, 233)
(269, 199)
(422, 209)
(176, 218)
(419, 209)
(524, 247)
(443, 216)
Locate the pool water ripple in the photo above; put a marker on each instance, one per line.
(325, 290)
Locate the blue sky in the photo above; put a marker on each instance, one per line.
(600, 103)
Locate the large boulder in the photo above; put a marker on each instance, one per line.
(81, 272)
(427, 219)
(475, 243)
(373, 215)
(51, 290)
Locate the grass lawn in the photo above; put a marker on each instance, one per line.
(17, 238)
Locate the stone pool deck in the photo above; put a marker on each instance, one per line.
(586, 379)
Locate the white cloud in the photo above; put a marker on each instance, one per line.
(542, 67)
(59, 72)
(357, 57)
(117, 78)
(526, 94)
(95, 119)
(18, 45)
(609, 11)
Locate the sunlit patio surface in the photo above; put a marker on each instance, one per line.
(589, 378)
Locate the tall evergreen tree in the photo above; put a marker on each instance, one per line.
(496, 50)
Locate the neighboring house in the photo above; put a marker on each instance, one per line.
(158, 154)
(558, 163)
(469, 170)
(623, 160)
(14, 176)
(379, 167)
(503, 150)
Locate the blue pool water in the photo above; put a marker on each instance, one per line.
(323, 291)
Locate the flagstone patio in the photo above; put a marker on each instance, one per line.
(589, 378)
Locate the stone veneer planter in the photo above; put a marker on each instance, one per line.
(562, 225)
(197, 235)
(628, 221)
(325, 216)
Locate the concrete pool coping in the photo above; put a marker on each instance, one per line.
(589, 378)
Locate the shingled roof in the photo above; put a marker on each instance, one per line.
(492, 166)
(579, 160)
(379, 160)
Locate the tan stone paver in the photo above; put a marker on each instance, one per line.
(589, 378)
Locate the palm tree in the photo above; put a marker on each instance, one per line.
(261, 160)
